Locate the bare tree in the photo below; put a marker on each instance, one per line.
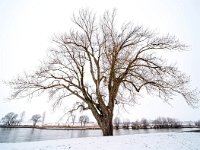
(35, 118)
(135, 125)
(172, 122)
(86, 120)
(117, 122)
(73, 117)
(10, 119)
(104, 66)
(157, 123)
(43, 117)
(177, 124)
(144, 123)
(126, 123)
(197, 123)
(83, 120)
(162, 122)
(21, 119)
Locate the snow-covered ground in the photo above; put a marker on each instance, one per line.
(158, 141)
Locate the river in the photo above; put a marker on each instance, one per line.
(15, 135)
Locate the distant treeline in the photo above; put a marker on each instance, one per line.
(158, 123)
(12, 120)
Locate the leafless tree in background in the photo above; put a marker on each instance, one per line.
(105, 66)
(86, 120)
(73, 117)
(117, 122)
(162, 122)
(21, 119)
(10, 119)
(197, 123)
(83, 120)
(135, 125)
(126, 124)
(36, 118)
(43, 117)
(144, 123)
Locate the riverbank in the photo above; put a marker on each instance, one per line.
(87, 127)
(53, 127)
(154, 141)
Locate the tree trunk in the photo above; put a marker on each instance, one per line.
(107, 129)
(104, 119)
(106, 125)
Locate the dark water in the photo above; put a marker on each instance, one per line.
(13, 135)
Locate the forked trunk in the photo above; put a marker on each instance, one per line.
(104, 118)
(104, 121)
(106, 125)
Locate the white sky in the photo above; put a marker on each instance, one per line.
(26, 28)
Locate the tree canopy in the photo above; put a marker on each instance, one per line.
(36, 118)
(104, 66)
(10, 119)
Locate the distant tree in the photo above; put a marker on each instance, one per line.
(86, 120)
(144, 123)
(165, 122)
(35, 118)
(135, 125)
(104, 64)
(162, 122)
(117, 122)
(10, 119)
(197, 123)
(177, 124)
(158, 122)
(73, 117)
(126, 123)
(21, 119)
(43, 117)
(173, 123)
(83, 120)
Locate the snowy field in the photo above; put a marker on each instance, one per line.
(157, 141)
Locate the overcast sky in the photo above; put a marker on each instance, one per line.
(27, 26)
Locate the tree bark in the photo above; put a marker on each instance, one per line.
(107, 128)
(105, 122)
